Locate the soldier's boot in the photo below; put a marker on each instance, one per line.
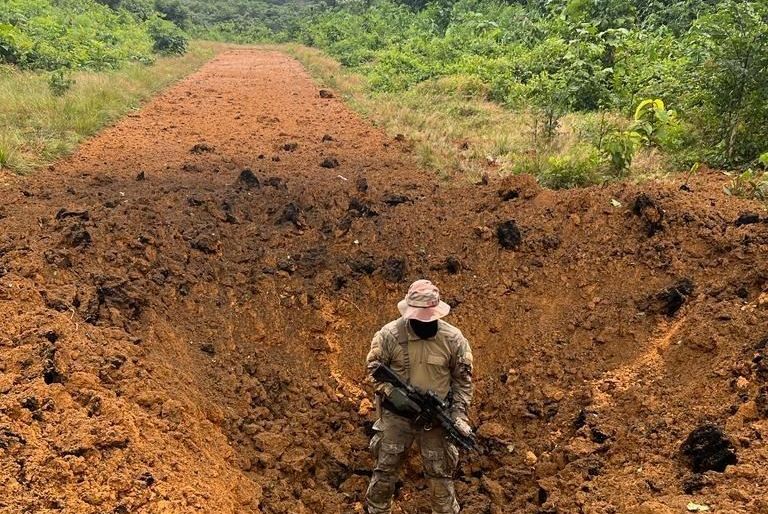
(389, 451)
(440, 459)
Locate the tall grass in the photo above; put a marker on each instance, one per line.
(457, 132)
(37, 127)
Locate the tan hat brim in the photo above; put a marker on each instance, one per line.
(423, 313)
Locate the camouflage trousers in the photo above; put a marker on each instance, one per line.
(394, 436)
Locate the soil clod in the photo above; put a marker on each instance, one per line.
(747, 218)
(362, 265)
(141, 176)
(675, 296)
(324, 93)
(708, 448)
(326, 138)
(361, 184)
(649, 211)
(361, 208)
(64, 214)
(509, 194)
(330, 162)
(77, 236)
(509, 235)
(394, 269)
(292, 213)
(248, 179)
(393, 199)
(200, 148)
(452, 265)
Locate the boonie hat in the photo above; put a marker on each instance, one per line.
(423, 302)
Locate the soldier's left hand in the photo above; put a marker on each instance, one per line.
(463, 427)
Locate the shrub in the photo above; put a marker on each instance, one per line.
(750, 184)
(579, 167)
(168, 38)
(60, 82)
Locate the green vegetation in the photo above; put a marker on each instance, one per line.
(591, 90)
(84, 34)
(69, 67)
(40, 121)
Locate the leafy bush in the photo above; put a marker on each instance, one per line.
(168, 38)
(580, 167)
(729, 59)
(83, 34)
(750, 184)
(620, 148)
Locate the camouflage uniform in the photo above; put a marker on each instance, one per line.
(442, 364)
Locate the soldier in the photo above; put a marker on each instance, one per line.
(429, 354)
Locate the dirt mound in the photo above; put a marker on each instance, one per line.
(195, 342)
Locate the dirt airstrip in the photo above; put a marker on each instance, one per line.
(186, 304)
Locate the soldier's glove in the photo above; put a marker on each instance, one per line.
(460, 421)
(400, 401)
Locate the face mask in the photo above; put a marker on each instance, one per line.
(424, 329)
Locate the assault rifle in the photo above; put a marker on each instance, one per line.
(432, 410)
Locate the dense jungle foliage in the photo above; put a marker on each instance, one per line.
(706, 61)
(85, 34)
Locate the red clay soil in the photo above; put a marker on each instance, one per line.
(194, 341)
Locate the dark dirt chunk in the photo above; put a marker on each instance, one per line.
(747, 218)
(292, 213)
(694, 483)
(208, 348)
(673, 298)
(393, 199)
(509, 235)
(452, 265)
(275, 158)
(508, 194)
(248, 179)
(686, 188)
(361, 208)
(340, 282)
(276, 182)
(290, 147)
(51, 374)
(77, 236)
(648, 210)
(399, 138)
(324, 93)
(708, 448)
(9, 437)
(64, 214)
(361, 184)
(202, 148)
(206, 242)
(287, 265)
(122, 295)
(330, 162)
(362, 265)
(326, 138)
(147, 478)
(394, 269)
(190, 167)
(194, 201)
(141, 177)
(761, 401)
